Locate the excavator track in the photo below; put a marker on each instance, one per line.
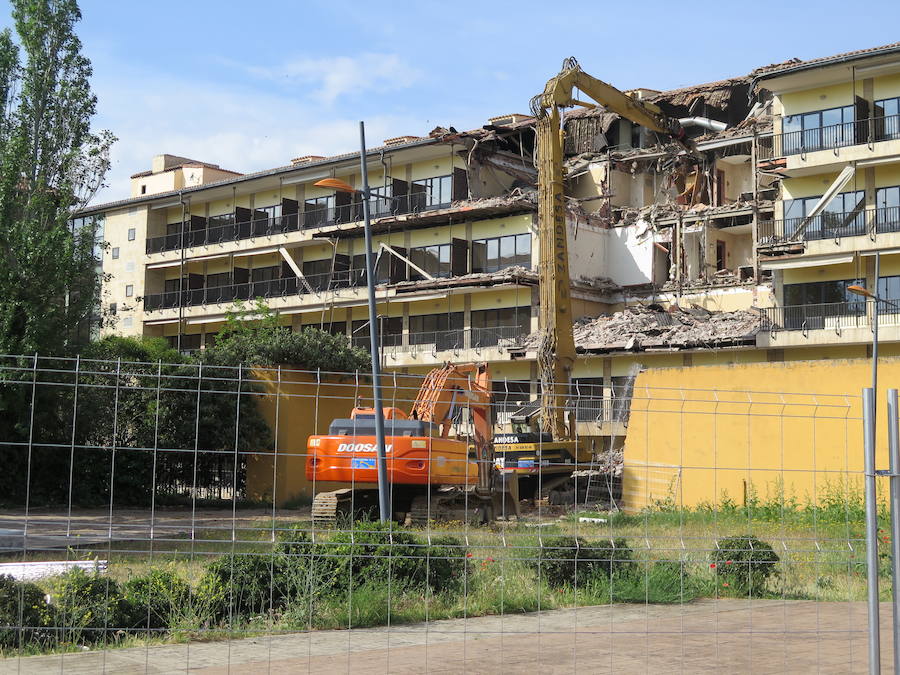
(329, 507)
(444, 504)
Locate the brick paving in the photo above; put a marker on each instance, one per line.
(728, 635)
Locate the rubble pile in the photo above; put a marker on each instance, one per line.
(652, 327)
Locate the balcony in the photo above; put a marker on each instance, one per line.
(830, 226)
(413, 203)
(452, 340)
(831, 137)
(274, 288)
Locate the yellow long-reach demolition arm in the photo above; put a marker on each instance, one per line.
(556, 353)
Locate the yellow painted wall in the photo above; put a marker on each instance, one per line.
(497, 227)
(826, 273)
(887, 175)
(698, 433)
(887, 86)
(813, 186)
(298, 407)
(820, 98)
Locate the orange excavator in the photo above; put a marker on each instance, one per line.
(431, 475)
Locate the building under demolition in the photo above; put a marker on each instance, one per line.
(740, 251)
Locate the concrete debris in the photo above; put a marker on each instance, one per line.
(608, 462)
(670, 211)
(652, 328)
(511, 275)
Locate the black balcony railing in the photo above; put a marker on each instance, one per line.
(830, 137)
(212, 295)
(830, 226)
(833, 315)
(469, 338)
(316, 217)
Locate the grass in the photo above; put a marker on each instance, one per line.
(821, 549)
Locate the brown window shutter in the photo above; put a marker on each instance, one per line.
(460, 184)
(459, 257)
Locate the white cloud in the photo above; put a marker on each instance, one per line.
(337, 76)
(241, 130)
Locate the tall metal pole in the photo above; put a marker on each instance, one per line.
(875, 340)
(384, 501)
(871, 531)
(894, 448)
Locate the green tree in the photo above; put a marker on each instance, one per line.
(255, 337)
(51, 164)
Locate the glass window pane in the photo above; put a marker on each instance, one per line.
(479, 256)
(791, 123)
(523, 249)
(493, 255)
(507, 251)
(833, 116)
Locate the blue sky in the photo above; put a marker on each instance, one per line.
(249, 85)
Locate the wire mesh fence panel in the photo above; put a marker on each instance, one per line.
(169, 517)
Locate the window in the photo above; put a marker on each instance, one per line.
(131, 234)
(818, 130)
(490, 325)
(435, 192)
(588, 394)
(115, 253)
(382, 269)
(810, 305)
(844, 216)
(444, 330)
(390, 330)
(887, 205)
(317, 273)
(889, 289)
(143, 189)
(129, 290)
(318, 211)
(497, 253)
(113, 307)
(433, 259)
(887, 118)
(818, 292)
(126, 322)
(219, 221)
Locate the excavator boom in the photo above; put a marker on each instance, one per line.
(556, 353)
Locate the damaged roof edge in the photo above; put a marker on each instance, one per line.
(822, 62)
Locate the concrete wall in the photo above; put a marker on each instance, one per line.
(697, 433)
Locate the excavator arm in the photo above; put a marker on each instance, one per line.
(450, 387)
(556, 354)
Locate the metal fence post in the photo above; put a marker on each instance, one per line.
(894, 448)
(868, 401)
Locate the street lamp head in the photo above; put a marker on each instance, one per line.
(336, 184)
(861, 290)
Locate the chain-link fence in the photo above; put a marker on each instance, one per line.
(175, 517)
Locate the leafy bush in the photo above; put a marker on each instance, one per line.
(243, 585)
(373, 550)
(743, 564)
(154, 597)
(23, 614)
(87, 605)
(564, 560)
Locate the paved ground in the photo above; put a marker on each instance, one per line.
(52, 529)
(760, 636)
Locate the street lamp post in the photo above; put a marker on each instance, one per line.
(869, 416)
(384, 502)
